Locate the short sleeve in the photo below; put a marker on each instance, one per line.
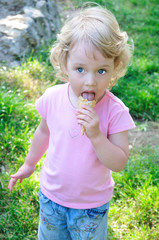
(41, 105)
(120, 121)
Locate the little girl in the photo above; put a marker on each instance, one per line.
(76, 184)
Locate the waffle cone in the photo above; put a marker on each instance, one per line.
(82, 101)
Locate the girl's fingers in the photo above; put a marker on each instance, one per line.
(14, 179)
(85, 107)
(14, 176)
(18, 175)
(88, 117)
(84, 118)
(86, 113)
(12, 183)
(23, 172)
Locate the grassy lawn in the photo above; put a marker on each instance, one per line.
(135, 205)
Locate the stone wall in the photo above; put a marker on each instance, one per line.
(25, 24)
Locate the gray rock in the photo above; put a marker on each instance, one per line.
(24, 25)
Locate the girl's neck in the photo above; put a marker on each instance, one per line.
(72, 97)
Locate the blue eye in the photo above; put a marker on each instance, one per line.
(101, 71)
(80, 70)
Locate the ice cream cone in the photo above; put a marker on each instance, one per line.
(82, 101)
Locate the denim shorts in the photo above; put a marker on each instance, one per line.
(62, 223)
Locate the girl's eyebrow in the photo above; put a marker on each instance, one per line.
(102, 66)
(82, 64)
(79, 64)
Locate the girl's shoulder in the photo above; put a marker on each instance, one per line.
(53, 94)
(51, 99)
(113, 101)
(56, 89)
(119, 117)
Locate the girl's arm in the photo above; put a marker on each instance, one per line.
(38, 147)
(112, 151)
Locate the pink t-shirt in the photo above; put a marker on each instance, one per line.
(72, 175)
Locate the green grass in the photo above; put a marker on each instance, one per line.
(134, 210)
(135, 205)
(19, 209)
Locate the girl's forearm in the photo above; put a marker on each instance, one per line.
(38, 147)
(111, 155)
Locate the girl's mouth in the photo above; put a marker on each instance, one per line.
(90, 96)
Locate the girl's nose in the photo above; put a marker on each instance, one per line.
(90, 80)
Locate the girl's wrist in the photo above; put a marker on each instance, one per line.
(96, 139)
(30, 165)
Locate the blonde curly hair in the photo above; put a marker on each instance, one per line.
(97, 26)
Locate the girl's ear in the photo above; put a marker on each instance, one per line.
(65, 67)
(116, 62)
(65, 70)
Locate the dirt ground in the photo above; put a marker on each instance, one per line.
(145, 133)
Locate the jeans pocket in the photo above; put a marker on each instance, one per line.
(45, 205)
(98, 212)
